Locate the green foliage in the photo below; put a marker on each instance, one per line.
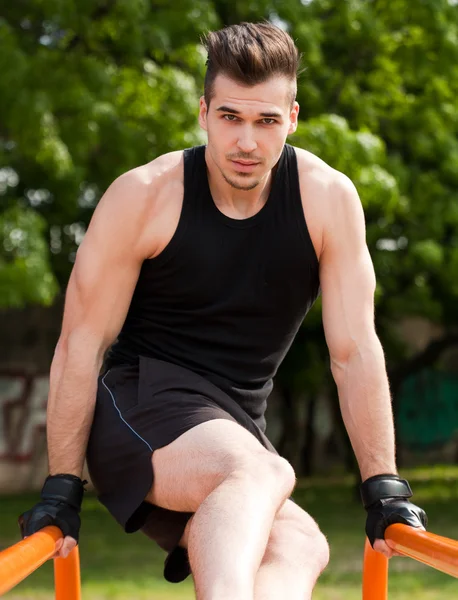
(388, 69)
(90, 90)
(25, 274)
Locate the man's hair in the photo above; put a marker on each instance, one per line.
(250, 53)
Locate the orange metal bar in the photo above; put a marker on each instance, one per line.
(438, 552)
(18, 561)
(375, 574)
(23, 558)
(67, 578)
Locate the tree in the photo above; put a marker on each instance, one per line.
(92, 89)
(88, 91)
(388, 69)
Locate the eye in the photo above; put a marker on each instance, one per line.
(230, 117)
(268, 121)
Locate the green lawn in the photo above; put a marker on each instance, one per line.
(119, 566)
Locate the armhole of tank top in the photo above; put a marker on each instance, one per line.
(175, 241)
(297, 204)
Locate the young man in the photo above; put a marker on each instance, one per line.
(203, 265)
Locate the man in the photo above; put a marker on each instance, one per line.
(203, 264)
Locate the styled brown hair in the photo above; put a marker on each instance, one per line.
(250, 53)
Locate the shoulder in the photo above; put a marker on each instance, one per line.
(142, 188)
(139, 194)
(316, 174)
(328, 194)
(134, 201)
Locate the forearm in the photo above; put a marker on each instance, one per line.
(365, 404)
(71, 402)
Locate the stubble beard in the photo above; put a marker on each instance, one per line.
(239, 186)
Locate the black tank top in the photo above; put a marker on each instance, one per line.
(226, 297)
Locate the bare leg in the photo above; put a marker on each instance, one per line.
(229, 533)
(296, 554)
(234, 487)
(277, 579)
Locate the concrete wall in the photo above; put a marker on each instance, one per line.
(27, 341)
(23, 399)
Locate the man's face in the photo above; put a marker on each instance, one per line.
(247, 127)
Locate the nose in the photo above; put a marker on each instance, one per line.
(246, 141)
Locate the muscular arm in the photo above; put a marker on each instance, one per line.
(357, 359)
(97, 299)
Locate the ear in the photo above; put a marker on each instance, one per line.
(293, 118)
(203, 111)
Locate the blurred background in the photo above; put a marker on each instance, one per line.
(93, 88)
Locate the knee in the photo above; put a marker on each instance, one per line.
(268, 470)
(296, 539)
(318, 544)
(267, 473)
(314, 546)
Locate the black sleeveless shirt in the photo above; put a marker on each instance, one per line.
(226, 297)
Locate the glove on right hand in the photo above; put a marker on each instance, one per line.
(386, 500)
(61, 499)
(387, 512)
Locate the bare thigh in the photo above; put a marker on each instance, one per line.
(187, 470)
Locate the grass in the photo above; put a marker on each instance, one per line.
(119, 566)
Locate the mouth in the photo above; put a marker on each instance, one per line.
(244, 166)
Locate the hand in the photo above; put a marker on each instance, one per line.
(64, 517)
(61, 499)
(385, 498)
(384, 548)
(64, 546)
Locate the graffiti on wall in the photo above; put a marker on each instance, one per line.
(23, 399)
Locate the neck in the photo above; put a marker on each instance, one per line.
(233, 202)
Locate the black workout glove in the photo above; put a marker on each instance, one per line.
(61, 499)
(385, 497)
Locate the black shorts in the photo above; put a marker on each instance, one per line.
(140, 408)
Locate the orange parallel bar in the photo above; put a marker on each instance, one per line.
(25, 557)
(67, 577)
(22, 559)
(438, 552)
(375, 574)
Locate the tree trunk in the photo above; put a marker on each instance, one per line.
(290, 439)
(307, 463)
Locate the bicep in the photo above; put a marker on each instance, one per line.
(347, 281)
(103, 278)
(98, 297)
